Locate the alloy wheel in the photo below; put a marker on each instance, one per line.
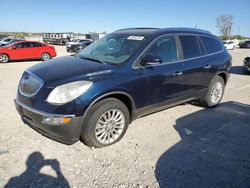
(216, 92)
(110, 126)
(45, 57)
(4, 58)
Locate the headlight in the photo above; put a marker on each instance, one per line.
(68, 92)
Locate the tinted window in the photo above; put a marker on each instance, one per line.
(34, 44)
(212, 45)
(190, 46)
(22, 45)
(202, 47)
(165, 48)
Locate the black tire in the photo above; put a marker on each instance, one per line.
(4, 58)
(45, 56)
(62, 43)
(208, 100)
(95, 114)
(245, 71)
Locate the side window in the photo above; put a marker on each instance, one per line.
(190, 46)
(164, 47)
(212, 45)
(34, 44)
(202, 47)
(19, 45)
(31, 44)
(23, 45)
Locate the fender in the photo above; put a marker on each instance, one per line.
(133, 111)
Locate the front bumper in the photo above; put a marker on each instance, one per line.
(67, 133)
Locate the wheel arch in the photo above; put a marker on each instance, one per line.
(120, 95)
(3, 53)
(224, 76)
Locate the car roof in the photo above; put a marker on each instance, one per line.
(148, 31)
(20, 41)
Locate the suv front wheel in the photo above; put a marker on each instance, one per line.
(215, 92)
(106, 123)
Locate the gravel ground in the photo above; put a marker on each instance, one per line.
(185, 146)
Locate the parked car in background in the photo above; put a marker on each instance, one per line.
(6, 41)
(96, 94)
(73, 41)
(2, 36)
(26, 50)
(245, 44)
(229, 45)
(246, 65)
(75, 48)
(77, 41)
(57, 38)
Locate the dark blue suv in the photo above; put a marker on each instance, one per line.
(96, 94)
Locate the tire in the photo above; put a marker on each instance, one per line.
(4, 58)
(45, 56)
(62, 43)
(245, 71)
(106, 123)
(215, 92)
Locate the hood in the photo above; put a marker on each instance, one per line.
(69, 68)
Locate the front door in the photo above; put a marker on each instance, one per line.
(162, 82)
(22, 51)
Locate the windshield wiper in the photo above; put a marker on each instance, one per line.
(92, 59)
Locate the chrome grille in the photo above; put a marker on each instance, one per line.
(29, 85)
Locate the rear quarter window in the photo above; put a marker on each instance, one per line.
(212, 45)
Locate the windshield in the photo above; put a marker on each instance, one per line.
(112, 48)
(10, 44)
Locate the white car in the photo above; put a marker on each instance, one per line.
(6, 41)
(229, 45)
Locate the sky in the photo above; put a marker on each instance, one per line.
(109, 15)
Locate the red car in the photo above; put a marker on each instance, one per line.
(26, 50)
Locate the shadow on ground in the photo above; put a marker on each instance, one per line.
(32, 177)
(214, 150)
(237, 70)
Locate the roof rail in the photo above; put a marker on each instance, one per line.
(137, 28)
(189, 29)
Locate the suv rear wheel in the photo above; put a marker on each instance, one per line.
(215, 92)
(106, 123)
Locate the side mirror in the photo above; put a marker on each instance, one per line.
(13, 47)
(151, 60)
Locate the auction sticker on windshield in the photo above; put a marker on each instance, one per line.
(135, 37)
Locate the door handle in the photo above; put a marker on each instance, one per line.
(207, 67)
(178, 73)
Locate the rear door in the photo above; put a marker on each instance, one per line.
(196, 66)
(36, 49)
